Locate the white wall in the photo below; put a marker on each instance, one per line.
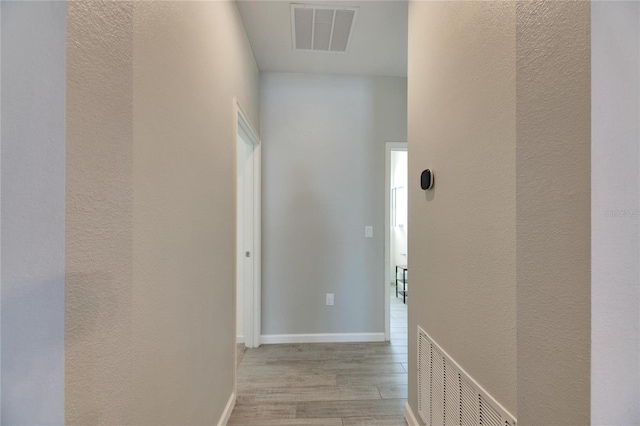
(323, 182)
(151, 208)
(32, 211)
(615, 308)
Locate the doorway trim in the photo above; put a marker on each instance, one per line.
(252, 301)
(389, 147)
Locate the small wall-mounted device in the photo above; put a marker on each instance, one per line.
(426, 179)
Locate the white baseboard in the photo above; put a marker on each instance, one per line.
(228, 410)
(270, 339)
(409, 416)
(239, 339)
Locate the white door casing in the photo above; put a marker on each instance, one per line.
(389, 147)
(248, 229)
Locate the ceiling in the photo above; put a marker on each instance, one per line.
(378, 45)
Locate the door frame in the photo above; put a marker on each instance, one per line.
(252, 299)
(389, 147)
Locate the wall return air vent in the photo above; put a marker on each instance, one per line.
(447, 395)
(322, 28)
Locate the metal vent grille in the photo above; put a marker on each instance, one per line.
(424, 376)
(447, 395)
(322, 28)
(469, 409)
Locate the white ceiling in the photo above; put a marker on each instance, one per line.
(378, 45)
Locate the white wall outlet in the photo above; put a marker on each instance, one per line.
(329, 299)
(368, 231)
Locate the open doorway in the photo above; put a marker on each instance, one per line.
(248, 231)
(396, 269)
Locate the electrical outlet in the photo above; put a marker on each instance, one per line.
(368, 231)
(329, 299)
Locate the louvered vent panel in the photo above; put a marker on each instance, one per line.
(342, 30)
(437, 387)
(469, 408)
(424, 374)
(322, 28)
(452, 395)
(447, 395)
(488, 415)
(303, 22)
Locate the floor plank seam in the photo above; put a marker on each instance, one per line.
(379, 393)
(277, 384)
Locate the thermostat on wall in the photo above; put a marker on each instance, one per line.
(426, 179)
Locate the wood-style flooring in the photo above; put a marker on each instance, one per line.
(329, 384)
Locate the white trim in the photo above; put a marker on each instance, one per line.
(388, 147)
(245, 125)
(270, 339)
(234, 369)
(251, 314)
(226, 414)
(1, 220)
(257, 241)
(409, 416)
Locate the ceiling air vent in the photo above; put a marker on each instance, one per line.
(322, 28)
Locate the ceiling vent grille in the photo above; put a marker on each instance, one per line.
(322, 28)
(447, 395)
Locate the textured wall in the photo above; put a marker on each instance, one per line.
(150, 196)
(32, 209)
(553, 189)
(99, 233)
(615, 192)
(191, 59)
(323, 181)
(499, 107)
(462, 241)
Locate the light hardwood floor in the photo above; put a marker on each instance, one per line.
(332, 384)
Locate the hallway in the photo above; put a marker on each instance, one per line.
(326, 383)
(119, 231)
